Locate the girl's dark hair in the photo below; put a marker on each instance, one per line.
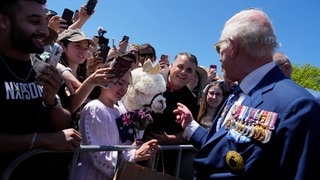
(82, 69)
(95, 93)
(148, 46)
(63, 55)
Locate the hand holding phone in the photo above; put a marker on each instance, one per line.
(213, 66)
(55, 54)
(120, 66)
(113, 44)
(67, 15)
(164, 61)
(104, 50)
(125, 38)
(164, 58)
(213, 69)
(91, 4)
(38, 64)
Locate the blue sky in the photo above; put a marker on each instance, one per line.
(174, 26)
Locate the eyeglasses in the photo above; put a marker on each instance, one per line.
(218, 44)
(143, 55)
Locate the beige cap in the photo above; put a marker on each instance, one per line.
(74, 35)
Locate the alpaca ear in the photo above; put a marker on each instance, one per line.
(151, 68)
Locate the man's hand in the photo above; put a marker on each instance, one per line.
(183, 115)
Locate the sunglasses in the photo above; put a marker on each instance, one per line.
(218, 44)
(143, 55)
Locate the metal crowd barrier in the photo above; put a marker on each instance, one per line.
(91, 148)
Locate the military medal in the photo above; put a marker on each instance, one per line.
(235, 161)
(268, 136)
(251, 122)
(229, 123)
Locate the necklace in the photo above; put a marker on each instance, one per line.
(21, 79)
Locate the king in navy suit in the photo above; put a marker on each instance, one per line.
(272, 131)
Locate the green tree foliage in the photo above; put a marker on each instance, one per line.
(307, 76)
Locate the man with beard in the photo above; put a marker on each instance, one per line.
(32, 116)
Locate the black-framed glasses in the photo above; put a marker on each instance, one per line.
(148, 55)
(218, 44)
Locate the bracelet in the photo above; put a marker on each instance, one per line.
(65, 69)
(32, 141)
(56, 105)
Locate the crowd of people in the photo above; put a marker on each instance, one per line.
(267, 131)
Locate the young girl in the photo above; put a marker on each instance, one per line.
(212, 98)
(75, 46)
(98, 127)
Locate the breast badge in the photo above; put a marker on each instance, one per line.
(235, 161)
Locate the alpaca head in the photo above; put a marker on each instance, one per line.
(145, 91)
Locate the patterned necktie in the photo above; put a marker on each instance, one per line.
(230, 101)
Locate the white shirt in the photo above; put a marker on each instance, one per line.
(98, 126)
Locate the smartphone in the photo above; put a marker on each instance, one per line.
(91, 4)
(164, 58)
(55, 54)
(104, 50)
(213, 66)
(67, 15)
(75, 15)
(120, 66)
(113, 44)
(125, 38)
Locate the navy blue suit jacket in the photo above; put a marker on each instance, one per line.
(294, 149)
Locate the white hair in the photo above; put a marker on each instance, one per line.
(253, 30)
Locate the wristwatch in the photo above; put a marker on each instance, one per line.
(56, 105)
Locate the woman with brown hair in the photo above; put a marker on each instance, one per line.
(213, 96)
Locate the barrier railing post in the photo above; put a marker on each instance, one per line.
(90, 148)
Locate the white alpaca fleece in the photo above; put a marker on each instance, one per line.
(148, 83)
(142, 91)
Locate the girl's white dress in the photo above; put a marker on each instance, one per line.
(98, 126)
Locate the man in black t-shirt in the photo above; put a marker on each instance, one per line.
(31, 113)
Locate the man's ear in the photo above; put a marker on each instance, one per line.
(287, 68)
(4, 22)
(234, 47)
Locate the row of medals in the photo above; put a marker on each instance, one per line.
(251, 122)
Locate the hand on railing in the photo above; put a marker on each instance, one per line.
(147, 150)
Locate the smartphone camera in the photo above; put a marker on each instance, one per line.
(91, 4)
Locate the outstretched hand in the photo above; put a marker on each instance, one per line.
(183, 115)
(147, 150)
